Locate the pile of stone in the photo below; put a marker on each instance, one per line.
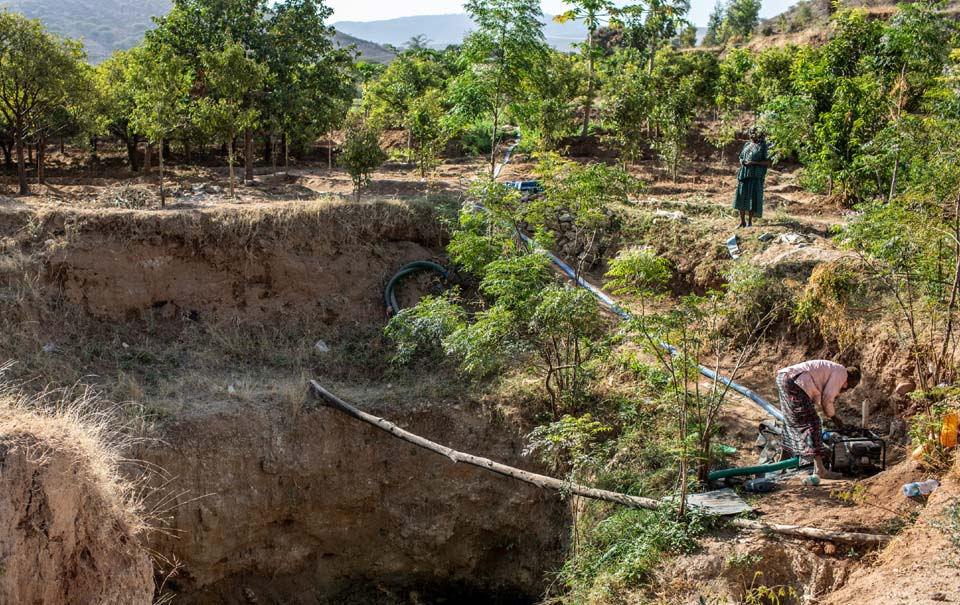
(577, 242)
(129, 196)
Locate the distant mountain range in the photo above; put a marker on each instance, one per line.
(104, 25)
(443, 30)
(109, 25)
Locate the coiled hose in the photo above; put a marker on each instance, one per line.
(389, 295)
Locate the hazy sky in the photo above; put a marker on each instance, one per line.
(375, 10)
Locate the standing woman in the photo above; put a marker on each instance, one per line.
(754, 161)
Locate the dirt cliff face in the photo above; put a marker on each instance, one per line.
(317, 259)
(318, 507)
(61, 539)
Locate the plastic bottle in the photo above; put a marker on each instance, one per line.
(920, 488)
(811, 480)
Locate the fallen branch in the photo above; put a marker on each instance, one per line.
(545, 482)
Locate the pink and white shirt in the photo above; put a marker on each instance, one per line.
(821, 380)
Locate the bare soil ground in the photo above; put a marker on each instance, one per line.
(702, 194)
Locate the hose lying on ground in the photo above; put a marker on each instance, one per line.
(567, 487)
(389, 296)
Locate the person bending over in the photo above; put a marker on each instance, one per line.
(802, 388)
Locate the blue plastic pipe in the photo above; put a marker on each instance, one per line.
(623, 313)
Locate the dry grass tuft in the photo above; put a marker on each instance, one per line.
(75, 423)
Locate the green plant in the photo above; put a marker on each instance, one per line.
(949, 524)
(621, 551)
(760, 594)
(361, 152)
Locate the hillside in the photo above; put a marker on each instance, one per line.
(104, 25)
(109, 25)
(443, 30)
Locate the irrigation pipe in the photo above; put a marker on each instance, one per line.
(389, 294)
(623, 313)
(566, 487)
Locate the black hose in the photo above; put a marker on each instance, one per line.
(389, 297)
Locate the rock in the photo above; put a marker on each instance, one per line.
(50, 348)
(322, 347)
(829, 548)
(673, 216)
(566, 218)
(905, 387)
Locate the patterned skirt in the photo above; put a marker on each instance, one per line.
(802, 431)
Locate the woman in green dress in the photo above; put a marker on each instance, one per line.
(754, 161)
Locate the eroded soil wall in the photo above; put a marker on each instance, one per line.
(312, 506)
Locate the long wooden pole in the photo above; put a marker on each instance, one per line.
(545, 482)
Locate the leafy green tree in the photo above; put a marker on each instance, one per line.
(389, 99)
(714, 24)
(740, 19)
(311, 83)
(496, 57)
(432, 127)
(226, 110)
(547, 111)
(38, 70)
(418, 42)
(662, 20)
(733, 94)
(630, 96)
(115, 103)
(592, 13)
(161, 82)
(361, 151)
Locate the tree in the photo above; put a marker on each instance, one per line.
(714, 23)
(226, 110)
(161, 82)
(497, 57)
(592, 13)
(431, 126)
(311, 83)
(547, 110)
(741, 18)
(37, 72)
(662, 20)
(389, 99)
(115, 103)
(361, 151)
(418, 42)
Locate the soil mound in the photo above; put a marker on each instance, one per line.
(67, 524)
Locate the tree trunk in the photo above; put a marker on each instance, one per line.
(21, 167)
(166, 148)
(7, 155)
(62, 149)
(273, 152)
(493, 144)
(248, 155)
(330, 152)
(286, 154)
(588, 103)
(230, 164)
(163, 198)
(30, 154)
(268, 149)
(148, 158)
(132, 157)
(409, 147)
(545, 482)
(187, 151)
(41, 148)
